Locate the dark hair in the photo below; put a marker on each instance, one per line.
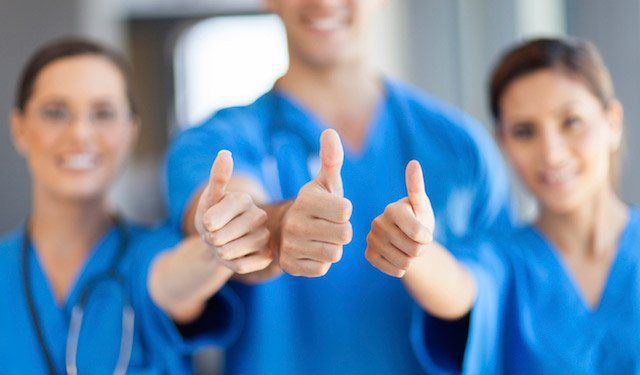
(578, 58)
(63, 48)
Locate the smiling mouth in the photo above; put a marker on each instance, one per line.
(79, 162)
(328, 23)
(558, 179)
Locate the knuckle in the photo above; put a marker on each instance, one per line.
(333, 253)
(345, 209)
(242, 268)
(404, 262)
(414, 249)
(261, 216)
(223, 253)
(398, 273)
(415, 231)
(346, 233)
(369, 255)
(216, 239)
(318, 270)
(245, 199)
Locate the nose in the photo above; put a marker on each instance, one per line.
(80, 129)
(553, 148)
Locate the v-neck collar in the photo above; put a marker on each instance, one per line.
(552, 256)
(309, 126)
(96, 261)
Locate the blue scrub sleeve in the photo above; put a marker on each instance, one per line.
(472, 344)
(191, 155)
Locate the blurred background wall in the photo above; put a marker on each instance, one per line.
(445, 47)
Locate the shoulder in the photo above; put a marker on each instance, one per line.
(10, 244)
(438, 115)
(457, 136)
(240, 120)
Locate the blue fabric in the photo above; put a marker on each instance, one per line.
(355, 319)
(530, 316)
(158, 346)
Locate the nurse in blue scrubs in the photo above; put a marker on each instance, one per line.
(558, 296)
(345, 317)
(82, 290)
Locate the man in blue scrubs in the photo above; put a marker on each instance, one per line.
(353, 319)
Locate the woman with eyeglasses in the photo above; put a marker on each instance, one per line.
(560, 295)
(81, 289)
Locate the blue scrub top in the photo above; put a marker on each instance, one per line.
(355, 319)
(531, 318)
(158, 345)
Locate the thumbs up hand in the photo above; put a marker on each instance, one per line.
(316, 225)
(402, 232)
(230, 222)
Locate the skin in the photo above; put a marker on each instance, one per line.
(560, 140)
(73, 160)
(330, 75)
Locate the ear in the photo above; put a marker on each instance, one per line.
(18, 131)
(615, 117)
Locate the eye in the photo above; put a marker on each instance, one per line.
(572, 122)
(55, 114)
(522, 131)
(104, 116)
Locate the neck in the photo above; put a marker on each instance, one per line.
(66, 228)
(593, 229)
(343, 96)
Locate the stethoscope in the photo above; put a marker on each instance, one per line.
(284, 149)
(77, 313)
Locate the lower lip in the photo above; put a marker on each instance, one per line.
(564, 185)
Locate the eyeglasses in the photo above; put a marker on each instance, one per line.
(61, 116)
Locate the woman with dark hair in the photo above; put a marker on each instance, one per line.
(83, 290)
(561, 295)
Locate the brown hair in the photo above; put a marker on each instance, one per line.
(63, 48)
(577, 58)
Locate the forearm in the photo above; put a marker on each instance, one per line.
(440, 284)
(183, 279)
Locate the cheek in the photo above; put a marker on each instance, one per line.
(521, 157)
(39, 145)
(595, 151)
(118, 143)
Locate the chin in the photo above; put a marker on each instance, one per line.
(562, 204)
(80, 191)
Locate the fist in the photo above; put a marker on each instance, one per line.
(230, 222)
(403, 231)
(316, 226)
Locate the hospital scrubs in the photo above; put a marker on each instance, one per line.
(530, 317)
(158, 345)
(354, 319)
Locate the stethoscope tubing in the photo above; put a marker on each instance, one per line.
(77, 314)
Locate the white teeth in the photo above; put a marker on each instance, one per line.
(328, 24)
(79, 161)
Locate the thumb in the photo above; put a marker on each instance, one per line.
(219, 177)
(415, 188)
(331, 158)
